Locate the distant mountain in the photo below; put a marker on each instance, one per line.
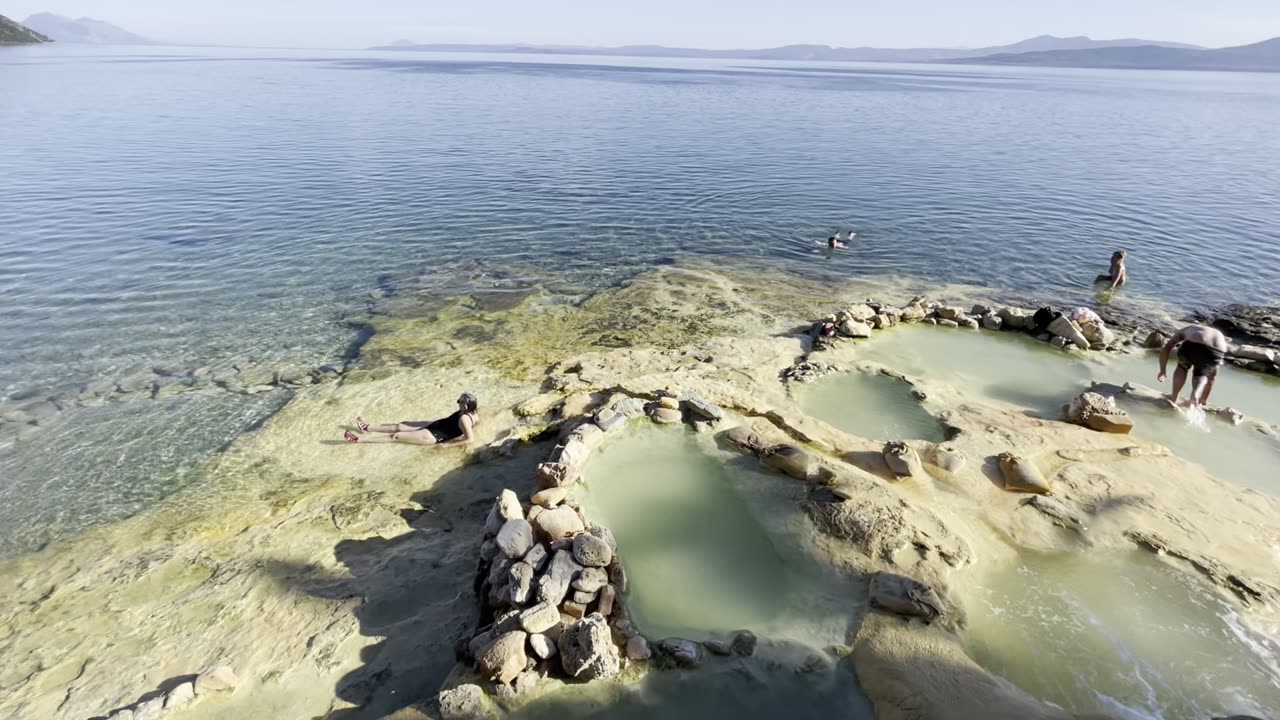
(824, 53)
(84, 30)
(1258, 57)
(12, 33)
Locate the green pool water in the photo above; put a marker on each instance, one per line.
(871, 405)
(1124, 635)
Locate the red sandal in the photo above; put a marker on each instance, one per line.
(351, 437)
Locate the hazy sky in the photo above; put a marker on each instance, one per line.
(699, 23)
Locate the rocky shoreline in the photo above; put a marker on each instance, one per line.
(338, 583)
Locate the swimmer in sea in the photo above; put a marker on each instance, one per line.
(1118, 276)
(1200, 349)
(457, 429)
(834, 243)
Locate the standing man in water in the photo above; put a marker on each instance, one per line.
(1201, 349)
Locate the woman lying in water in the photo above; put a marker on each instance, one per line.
(457, 429)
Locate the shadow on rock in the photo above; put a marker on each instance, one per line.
(413, 590)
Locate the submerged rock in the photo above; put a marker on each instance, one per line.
(686, 653)
(743, 643)
(902, 595)
(1022, 475)
(638, 648)
(587, 651)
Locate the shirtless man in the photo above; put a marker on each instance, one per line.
(1118, 275)
(1201, 349)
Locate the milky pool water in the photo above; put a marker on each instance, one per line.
(872, 405)
(1025, 373)
(710, 541)
(1122, 634)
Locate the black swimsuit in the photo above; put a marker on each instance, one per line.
(446, 429)
(1202, 358)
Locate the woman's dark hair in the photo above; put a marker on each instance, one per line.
(468, 402)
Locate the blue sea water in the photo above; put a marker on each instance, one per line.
(190, 206)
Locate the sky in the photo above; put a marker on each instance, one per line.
(689, 23)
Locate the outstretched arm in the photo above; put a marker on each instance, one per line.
(1165, 352)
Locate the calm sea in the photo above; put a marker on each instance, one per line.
(186, 207)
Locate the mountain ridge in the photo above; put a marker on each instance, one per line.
(1261, 56)
(13, 32)
(87, 31)
(793, 52)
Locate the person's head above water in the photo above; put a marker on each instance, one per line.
(1118, 255)
(467, 402)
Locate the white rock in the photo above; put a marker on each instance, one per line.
(550, 497)
(179, 696)
(542, 646)
(540, 618)
(509, 506)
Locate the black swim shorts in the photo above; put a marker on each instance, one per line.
(1203, 359)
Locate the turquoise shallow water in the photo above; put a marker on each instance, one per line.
(194, 206)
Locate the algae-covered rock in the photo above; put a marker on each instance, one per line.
(1022, 475)
(465, 702)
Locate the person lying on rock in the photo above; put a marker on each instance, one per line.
(1200, 349)
(457, 429)
(1118, 275)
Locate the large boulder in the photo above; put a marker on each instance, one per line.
(1022, 475)
(505, 658)
(554, 584)
(1012, 318)
(515, 538)
(913, 313)
(902, 595)
(560, 522)
(992, 322)
(1098, 412)
(861, 312)
(788, 459)
(465, 702)
(591, 551)
(1256, 353)
(1120, 424)
(1064, 328)
(701, 407)
(587, 651)
(952, 313)
(745, 439)
(855, 329)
